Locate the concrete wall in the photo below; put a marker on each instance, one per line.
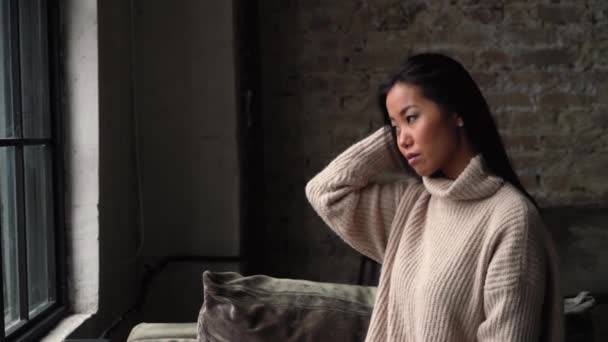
(81, 137)
(109, 131)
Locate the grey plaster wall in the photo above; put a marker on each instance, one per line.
(186, 107)
(168, 168)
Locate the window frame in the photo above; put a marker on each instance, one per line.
(49, 20)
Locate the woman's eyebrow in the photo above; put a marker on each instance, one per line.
(401, 112)
(405, 109)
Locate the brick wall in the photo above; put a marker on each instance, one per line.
(542, 65)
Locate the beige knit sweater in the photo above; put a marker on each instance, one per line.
(462, 260)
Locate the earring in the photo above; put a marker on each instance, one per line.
(460, 124)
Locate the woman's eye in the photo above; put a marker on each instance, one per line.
(407, 118)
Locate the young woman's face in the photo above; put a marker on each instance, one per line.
(423, 129)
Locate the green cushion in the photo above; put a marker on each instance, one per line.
(163, 332)
(262, 308)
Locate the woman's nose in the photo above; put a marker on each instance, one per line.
(403, 138)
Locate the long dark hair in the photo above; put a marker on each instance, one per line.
(447, 83)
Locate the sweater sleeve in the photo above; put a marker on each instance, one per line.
(359, 211)
(515, 286)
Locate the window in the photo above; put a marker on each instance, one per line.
(30, 213)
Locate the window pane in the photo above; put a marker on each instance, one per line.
(7, 119)
(34, 70)
(8, 212)
(39, 225)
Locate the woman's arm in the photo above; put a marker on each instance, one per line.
(360, 212)
(516, 286)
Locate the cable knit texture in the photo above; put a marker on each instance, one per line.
(462, 260)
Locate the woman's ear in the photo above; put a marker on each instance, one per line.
(458, 119)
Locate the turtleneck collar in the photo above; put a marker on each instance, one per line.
(474, 182)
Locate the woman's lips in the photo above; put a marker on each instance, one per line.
(414, 159)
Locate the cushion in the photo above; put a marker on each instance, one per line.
(163, 332)
(262, 308)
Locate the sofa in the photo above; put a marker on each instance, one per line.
(163, 332)
(261, 308)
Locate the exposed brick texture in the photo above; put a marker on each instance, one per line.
(542, 65)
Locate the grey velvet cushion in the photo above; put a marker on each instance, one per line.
(262, 308)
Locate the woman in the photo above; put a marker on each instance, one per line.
(465, 254)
